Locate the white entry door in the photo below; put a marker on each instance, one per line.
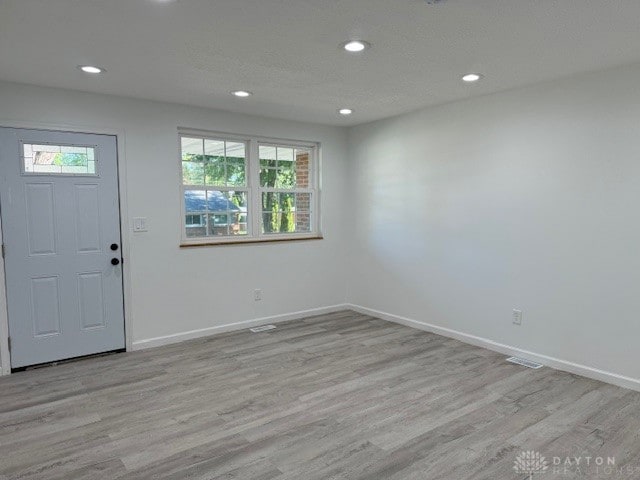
(61, 234)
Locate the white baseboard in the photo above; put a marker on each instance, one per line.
(558, 364)
(205, 332)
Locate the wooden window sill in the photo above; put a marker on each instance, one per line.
(248, 241)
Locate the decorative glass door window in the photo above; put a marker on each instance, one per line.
(58, 159)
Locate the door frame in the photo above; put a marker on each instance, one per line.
(125, 233)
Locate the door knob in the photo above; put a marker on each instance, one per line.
(115, 261)
(114, 246)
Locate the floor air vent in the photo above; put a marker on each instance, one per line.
(262, 328)
(524, 363)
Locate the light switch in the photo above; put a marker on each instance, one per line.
(140, 224)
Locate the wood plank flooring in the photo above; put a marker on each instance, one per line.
(334, 397)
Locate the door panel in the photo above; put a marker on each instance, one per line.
(41, 230)
(45, 306)
(60, 213)
(88, 222)
(91, 300)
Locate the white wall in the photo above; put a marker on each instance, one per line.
(456, 215)
(527, 199)
(176, 290)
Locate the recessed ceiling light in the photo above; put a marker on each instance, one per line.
(356, 46)
(91, 69)
(345, 111)
(242, 93)
(471, 77)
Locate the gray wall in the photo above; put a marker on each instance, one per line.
(527, 199)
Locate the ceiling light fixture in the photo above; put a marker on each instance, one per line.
(242, 93)
(471, 77)
(91, 69)
(356, 46)
(345, 111)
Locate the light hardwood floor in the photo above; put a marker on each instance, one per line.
(334, 397)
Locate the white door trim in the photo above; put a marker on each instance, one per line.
(5, 358)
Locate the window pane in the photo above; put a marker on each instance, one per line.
(285, 154)
(268, 177)
(195, 205)
(192, 173)
(215, 171)
(269, 223)
(286, 177)
(303, 202)
(235, 150)
(278, 213)
(286, 201)
(215, 212)
(218, 201)
(303, 222)
(214, 148)
(242, 224)
(195, 225)
(195, 202)
(286, 212)
(303, 212)
(302, 167)
(238, 214)
(235, 172)
(218, 224)
(267, 156)
(194, 220)
(236, 161)
(59, 159)
(268, 200)
(46, 148)
(270, 213)
(192, 149)
(73, 149)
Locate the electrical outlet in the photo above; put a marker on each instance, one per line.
(257, 294)
(517, 317)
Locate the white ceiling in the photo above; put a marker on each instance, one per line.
(286, 51)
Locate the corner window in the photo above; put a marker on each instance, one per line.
(247, 189)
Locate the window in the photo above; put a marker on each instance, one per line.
(58, 159)
(247, 189)
(194, 221)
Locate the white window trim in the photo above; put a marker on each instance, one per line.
(254, 190)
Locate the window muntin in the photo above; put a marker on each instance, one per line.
(225, 180)
(48, 159)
